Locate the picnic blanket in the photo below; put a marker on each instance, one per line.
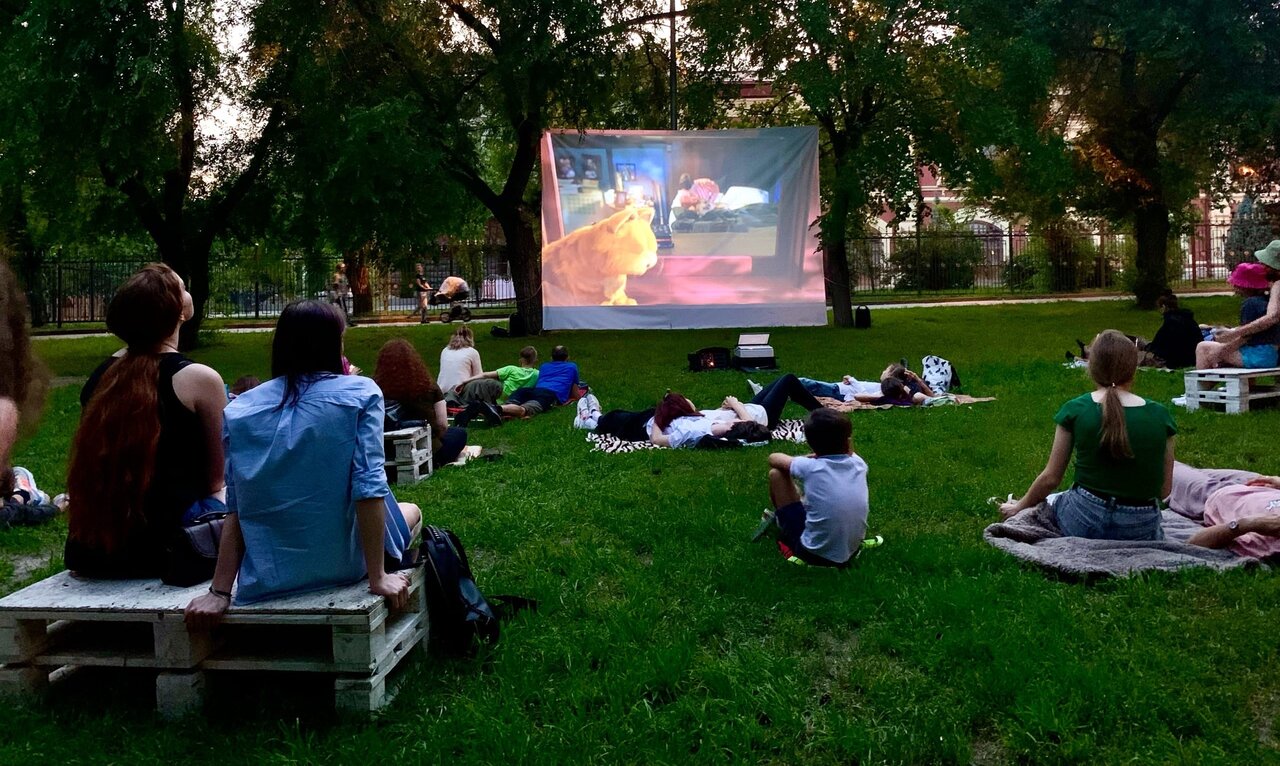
(840, 406)
(1033, 536)
(787, 430)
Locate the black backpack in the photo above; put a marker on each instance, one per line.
(457, 609)
(862, 317)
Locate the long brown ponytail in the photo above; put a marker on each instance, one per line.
(113, 453)
(1113, 361)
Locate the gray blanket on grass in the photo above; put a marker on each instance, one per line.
(1033, 536)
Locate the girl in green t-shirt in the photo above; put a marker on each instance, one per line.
(1123, 447)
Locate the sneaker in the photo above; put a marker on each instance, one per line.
(766, 521)
(584, 417)
(472, 411)
(875, 541)
(492, 414)
(755, 387)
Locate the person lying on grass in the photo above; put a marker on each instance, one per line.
(557, 380)
(306, 488)
(1123, 446)
(849, 388)
(826, 524)
(677, 422)
(1239, 509)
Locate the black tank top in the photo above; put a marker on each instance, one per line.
(179, 480)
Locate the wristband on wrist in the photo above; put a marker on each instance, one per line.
(223, 593)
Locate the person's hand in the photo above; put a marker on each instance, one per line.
(355, 370)
(205, 612)
(1265, 481)
(1225, 334)
(729, 401)
(848, 380)
(394, 587)
(1009, 509)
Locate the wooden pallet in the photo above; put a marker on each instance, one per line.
(408, 453)
(348, 633)
(1232, 388)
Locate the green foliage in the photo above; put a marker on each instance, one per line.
(664, 636)
(942, 257)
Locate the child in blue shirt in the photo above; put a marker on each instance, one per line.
(825, 526)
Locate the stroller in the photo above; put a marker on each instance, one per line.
(456, 310)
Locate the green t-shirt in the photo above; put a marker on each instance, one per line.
(514, 376)
(1138, 477)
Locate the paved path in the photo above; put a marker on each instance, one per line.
(916, 305)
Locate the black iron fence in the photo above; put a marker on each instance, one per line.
(964, 259)
(250, 285)
(983, 259)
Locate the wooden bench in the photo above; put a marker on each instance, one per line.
(1234, 388)
(62, 623)
(408, 455)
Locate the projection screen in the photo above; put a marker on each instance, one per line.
(663, 229)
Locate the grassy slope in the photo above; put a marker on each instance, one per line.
(664, 637)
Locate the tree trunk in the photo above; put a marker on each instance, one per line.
(835, 257)
(1151, 230)
(525, 259)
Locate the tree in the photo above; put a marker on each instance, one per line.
(1250, 231)
(1149, 102)
(497, 74)
(126, 89)
(862, 71)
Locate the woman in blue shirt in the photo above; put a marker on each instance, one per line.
(306, 489)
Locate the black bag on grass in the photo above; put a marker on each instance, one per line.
(457, 609)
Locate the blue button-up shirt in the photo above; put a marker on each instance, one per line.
(294, 474)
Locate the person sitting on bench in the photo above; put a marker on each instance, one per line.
(306, 488)
(413, 394)
(149, 443)
(1253, 344)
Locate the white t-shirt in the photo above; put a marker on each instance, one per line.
(456, 365)
(835, 504)
(757, 413)
(855, 387)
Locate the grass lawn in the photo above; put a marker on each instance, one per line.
(665, 637)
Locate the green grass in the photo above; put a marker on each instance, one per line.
(664, 637)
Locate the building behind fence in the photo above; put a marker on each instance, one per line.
(982, 260)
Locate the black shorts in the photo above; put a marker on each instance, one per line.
(790, 520)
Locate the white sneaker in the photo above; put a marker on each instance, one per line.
(755, 387)
(588, 413)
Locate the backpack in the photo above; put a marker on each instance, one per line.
(939, 374)
(862, 317)
(457, 609)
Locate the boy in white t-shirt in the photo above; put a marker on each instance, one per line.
(825, 526)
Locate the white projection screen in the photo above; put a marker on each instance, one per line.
(648, 229)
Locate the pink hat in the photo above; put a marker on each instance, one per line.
(1249, 276)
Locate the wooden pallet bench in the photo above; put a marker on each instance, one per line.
(62, 623)
(1233, 388)
(408, 453)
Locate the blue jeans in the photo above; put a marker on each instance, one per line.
(1083, 514)
(819, 388)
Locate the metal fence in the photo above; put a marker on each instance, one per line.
(980, 258)
(967, 259)
(249, 285)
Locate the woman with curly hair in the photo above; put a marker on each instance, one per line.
(407, 383)
(149, 445)
(23, 380)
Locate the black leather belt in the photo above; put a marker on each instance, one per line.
(1113, 500)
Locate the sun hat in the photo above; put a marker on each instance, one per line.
(1270, 254)
(1250, 276)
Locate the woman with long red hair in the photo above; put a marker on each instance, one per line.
(407, 383)
(149, 445)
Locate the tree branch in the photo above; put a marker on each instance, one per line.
(221, 210)
(144, 205)
(474, 24)
(621, 26)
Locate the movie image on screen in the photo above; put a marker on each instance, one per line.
(681, 229)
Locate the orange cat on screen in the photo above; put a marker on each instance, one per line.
(590, 265)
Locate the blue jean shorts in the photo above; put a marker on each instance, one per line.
(1081, 513)
(1257, 357)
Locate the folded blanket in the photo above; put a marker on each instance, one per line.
(1033, 536)
(787, 430)
(840, 406)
